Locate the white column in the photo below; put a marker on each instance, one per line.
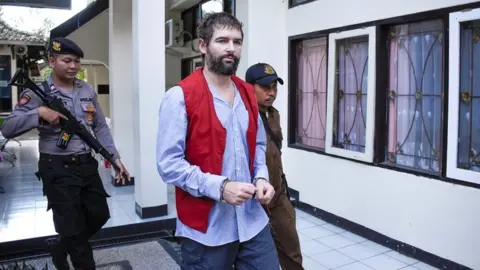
(120, 76)
(148, 34)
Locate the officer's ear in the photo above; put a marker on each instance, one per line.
(52, 59)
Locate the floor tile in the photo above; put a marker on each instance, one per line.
(359, 252)
(336, 241)
(315, 220)
(401, 257)
(313, 247)
(383, 262)
(423, 266)
(353, 237)
(375, 246)
(354, 266)
(309, 264)
(332, 259)
(333, 228)
(302, 223)
(316, 232)
(303, 237)
(300, 214)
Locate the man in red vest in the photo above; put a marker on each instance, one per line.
(211, 146)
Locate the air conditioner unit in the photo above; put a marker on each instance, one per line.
(173, 33)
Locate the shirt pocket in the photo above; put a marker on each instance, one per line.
(88, 111)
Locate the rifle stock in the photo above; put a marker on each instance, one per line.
(71, 125)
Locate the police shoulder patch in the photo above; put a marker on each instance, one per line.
(24, 100)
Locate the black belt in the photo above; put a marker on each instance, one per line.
(68, 159)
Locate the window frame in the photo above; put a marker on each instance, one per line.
(293, 78)
(367, 156)
(383, 127)
(292, 115)
(455, 19)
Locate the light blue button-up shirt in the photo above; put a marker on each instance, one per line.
(227, 223)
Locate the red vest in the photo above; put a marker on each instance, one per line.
(205, 142)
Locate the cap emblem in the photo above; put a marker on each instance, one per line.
(56, 46)
(269, 69)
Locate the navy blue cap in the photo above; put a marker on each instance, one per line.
(65, 46)
(262, 74)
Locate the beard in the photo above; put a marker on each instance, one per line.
(216, 64)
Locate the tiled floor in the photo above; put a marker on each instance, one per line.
(23, 207)
(325, 246)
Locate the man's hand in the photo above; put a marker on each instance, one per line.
(122, 174)
(237, 193)
(50, 115)
(265, 191)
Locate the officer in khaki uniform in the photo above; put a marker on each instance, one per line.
(70, 177)
(281, 212)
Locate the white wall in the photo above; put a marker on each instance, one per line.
(441, 218)
(98, 74)
(93, 37)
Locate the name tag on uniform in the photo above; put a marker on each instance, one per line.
(86, 99)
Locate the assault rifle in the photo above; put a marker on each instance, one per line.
(70, 126)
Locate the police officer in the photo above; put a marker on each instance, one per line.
(281, 212)
(70, 177)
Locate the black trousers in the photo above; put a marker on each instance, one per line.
(76, 195)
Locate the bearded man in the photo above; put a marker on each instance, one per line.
(211, 145)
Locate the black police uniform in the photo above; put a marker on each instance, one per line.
(70, 177)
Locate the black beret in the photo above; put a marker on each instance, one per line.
(65, 46)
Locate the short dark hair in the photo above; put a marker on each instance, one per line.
(214, 20)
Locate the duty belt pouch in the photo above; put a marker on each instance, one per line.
(64, 139)
(276, 141)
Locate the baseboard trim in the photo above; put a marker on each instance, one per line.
(403, 248)
(152, 211)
